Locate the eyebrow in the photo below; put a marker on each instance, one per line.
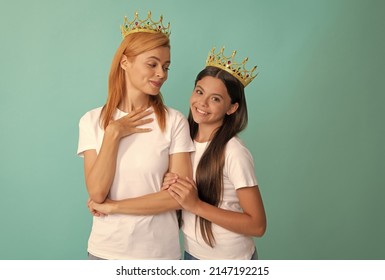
(201, 88)
(157, 58)
(214, 93)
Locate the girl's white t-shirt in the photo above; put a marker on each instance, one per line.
(238, 173)
(142, 161)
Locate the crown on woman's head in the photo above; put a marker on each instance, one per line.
(228, 64)
(144, 25)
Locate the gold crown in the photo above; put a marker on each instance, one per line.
(228, 64)
(144, 25)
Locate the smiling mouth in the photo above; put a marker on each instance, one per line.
(200, 111)
(156, 84)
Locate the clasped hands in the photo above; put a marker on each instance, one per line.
(183, 190)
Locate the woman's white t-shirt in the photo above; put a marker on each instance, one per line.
(238, 173)
(142, 161)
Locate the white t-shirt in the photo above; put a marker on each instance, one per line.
(238, 172)
(142, 161)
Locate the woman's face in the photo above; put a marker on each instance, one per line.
(210, 102)
(147, 72)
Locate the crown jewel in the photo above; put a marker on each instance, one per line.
(144, 25)
(228, 64)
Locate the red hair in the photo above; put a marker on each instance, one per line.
(131, 46)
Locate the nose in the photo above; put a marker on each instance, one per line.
(161, 73)
(202, 101)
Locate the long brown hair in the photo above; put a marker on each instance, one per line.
(131, 46)
(209, 173)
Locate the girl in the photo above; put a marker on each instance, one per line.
(229, 211)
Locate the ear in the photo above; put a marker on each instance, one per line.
(233, 108)
(124, 62)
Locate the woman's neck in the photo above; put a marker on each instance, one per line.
(132, 102)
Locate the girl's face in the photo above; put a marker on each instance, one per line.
(210, 102)
(147, 72)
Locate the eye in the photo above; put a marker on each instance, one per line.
(152, 65)
(216, 99)
(198, 91)
(166, 68)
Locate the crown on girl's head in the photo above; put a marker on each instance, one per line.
(228, 64)
(144, 25)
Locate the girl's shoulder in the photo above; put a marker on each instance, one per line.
(236, 143)
(236, 147)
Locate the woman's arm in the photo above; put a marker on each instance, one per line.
(155, 203)
(99, 169)
(252, 221)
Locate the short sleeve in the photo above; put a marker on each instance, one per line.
(87, 137)
(180, 136)
(240, 166)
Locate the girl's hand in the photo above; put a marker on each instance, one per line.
(185, 192)
(128, 124)
(169, 179)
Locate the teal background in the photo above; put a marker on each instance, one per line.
(316, 127)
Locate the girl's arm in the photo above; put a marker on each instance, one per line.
(252, 221)
(151, 204)
(99, 169)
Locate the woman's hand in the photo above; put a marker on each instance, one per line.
(185, 192)
(100, 209)
(93, 211)
(128, 124)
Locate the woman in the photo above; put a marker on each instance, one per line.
(129, 144)
(220, 223)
